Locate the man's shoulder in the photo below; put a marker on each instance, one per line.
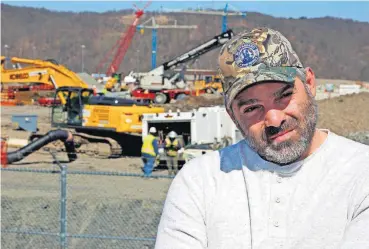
(350, 157)
(349, 147)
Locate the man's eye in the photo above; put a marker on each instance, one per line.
(250, 109)
(287, 94)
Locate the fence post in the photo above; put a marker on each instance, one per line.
(63, 207)
(63, 203)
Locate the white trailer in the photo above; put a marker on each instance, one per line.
(199, 126)
(205, 125)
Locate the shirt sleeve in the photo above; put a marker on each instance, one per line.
(156, 146)
(357, 231)
(182, 223)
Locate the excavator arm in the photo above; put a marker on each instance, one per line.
(40, 71)
(47, 72)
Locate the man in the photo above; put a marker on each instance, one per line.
(94, 89)
(287, 184)
(149, 151)
(172, 147)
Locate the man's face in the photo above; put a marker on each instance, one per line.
(278, 120)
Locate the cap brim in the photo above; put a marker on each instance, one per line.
(275, 74)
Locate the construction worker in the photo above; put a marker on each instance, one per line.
(94, 89)
(149, 151)
(171, 147)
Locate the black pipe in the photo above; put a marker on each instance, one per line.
(51, 136)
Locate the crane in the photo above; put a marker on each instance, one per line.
(160, 78)
(122, 44)
(224, 13)
(154, 26)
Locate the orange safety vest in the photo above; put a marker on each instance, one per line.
(147, 146)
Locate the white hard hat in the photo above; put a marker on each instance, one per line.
(152, 130)
(172, 134)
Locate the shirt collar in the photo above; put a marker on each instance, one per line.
(254, 162)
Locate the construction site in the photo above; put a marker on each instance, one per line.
(71, 141)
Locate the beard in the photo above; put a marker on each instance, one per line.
(289, 151)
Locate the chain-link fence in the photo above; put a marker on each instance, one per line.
(67, 208)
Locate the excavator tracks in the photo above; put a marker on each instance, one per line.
(94, 146)
(101, 147)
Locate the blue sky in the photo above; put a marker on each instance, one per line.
(354, 10)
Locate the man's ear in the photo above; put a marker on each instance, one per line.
(310, 80)
(230, 113)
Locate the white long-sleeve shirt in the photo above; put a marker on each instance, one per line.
(234, 199)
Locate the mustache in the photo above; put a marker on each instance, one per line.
(285, 125)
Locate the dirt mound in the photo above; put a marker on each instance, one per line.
(346, 114)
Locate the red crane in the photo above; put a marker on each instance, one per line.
(122, 44)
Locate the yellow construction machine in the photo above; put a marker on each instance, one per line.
(116, 84)
(101, 125)
(39, 71)
(210, 83)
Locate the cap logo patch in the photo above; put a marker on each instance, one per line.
(246, 55)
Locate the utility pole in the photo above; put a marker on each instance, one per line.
(82, 62)
(6, 46)
(138, 60)
(34, 52)
(154, 28)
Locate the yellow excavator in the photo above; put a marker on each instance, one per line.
(210, 83)
(102, 126)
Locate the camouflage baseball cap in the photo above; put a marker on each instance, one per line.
(262, 54)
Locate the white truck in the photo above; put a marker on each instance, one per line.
(199, 131)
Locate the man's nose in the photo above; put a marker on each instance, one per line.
(274, 118)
